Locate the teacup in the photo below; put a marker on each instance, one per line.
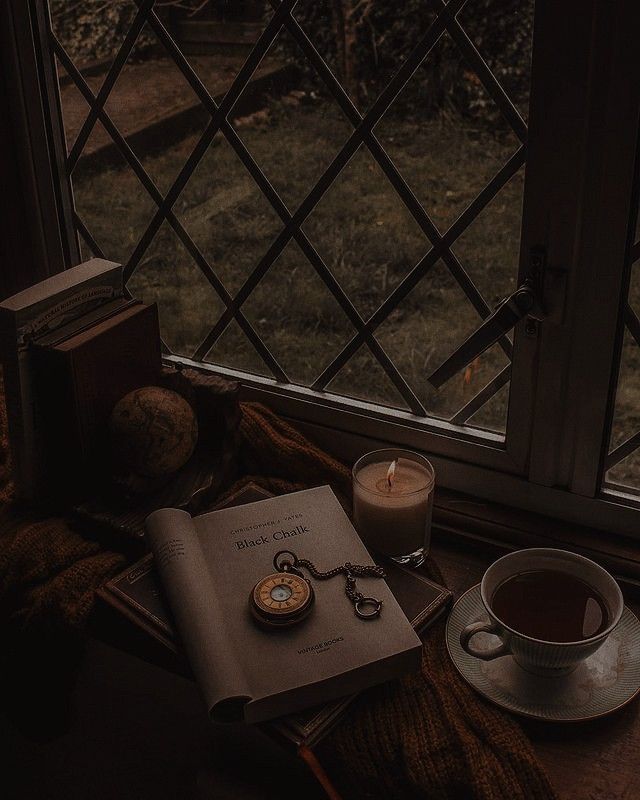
(540, 656)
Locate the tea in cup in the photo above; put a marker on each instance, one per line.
(550, 608)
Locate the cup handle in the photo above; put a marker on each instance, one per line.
(489, 653)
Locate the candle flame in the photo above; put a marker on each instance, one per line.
(391, 472)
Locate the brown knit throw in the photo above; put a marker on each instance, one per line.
(427, 736)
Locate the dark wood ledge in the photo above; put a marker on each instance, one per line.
(466, 517)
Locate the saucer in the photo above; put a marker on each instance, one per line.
(601, 684)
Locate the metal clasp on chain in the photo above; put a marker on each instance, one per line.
(288, 561)
(368, 601)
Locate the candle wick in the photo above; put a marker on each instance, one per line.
(391, 473)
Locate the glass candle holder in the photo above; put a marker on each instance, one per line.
(393, 503)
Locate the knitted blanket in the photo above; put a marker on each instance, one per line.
(427, 736)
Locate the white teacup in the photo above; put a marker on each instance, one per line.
(536, 655)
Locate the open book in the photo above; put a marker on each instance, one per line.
(209, 565)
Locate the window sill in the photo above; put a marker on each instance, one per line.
(467, 517)
(612, 540)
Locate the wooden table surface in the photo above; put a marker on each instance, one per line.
(137, 730)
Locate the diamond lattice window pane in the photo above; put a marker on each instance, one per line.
(364, 379)
(364, 233)
(324, 200)
(419, 335)
(447, 162)
(110, 199)
(492, 414)
(297, 317)
(296, 134)
(157, 111)
(227, 216)
(187, 303)
(233, 350)
(490, 246)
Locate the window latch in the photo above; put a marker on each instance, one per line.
(524, 302)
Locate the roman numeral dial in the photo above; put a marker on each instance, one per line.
(281, 599)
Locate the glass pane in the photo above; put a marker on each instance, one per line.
(369, 208)
(623, 447)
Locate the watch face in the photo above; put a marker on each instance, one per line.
(281, 592)
(281, 599)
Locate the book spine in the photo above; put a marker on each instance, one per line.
(57, 418)
(21, 413)
(203, 628)
(20, 419)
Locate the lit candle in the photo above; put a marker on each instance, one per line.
(393, 502)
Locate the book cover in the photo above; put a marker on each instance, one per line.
(79, 377)
(25, 316)
(208, 566)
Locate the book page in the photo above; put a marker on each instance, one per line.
(199, 616)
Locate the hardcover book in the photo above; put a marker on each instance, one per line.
(209, 566)
(136, 594)
(35, 312)
(80, 373)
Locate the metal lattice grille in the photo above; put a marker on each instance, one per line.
(438, 245)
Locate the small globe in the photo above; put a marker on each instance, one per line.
(153, 432)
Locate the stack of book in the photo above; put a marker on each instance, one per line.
(71, 347)
(302, 699)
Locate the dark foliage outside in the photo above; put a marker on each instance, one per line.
(92, 30)
(364, 41)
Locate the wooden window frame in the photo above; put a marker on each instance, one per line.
(579, 197)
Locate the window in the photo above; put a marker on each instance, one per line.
(622, 462)
(330, 242)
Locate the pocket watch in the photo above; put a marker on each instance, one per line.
(281, 599)
(286, 597)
